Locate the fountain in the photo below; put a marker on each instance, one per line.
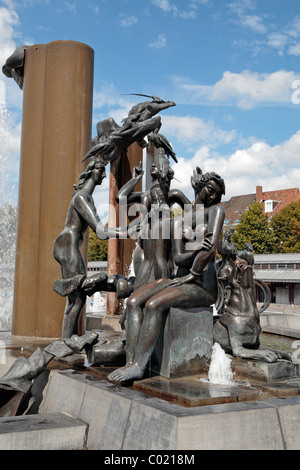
(7, 264)
(220, 371)
(8, 217)
(97, 305)
(198, 402)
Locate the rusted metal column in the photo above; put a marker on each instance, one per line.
(56, 134)
(120, 251)
(150, 158)
(113, 254)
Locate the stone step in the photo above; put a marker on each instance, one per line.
(55, 431)
(122, 418)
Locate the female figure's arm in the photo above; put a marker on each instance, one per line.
(84, 205)
(216, 215)
(126, 194)
(176, 196)
(202, 256)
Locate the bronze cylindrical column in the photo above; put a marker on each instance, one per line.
(56, 134)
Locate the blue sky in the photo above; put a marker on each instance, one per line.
(230, 66)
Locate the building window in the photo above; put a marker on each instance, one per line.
(270, 205)
(290, 266)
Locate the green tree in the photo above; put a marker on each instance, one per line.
(97, 249)
(286, 227)
(254, 228)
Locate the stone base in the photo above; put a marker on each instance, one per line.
(48, 432)
(185, 344)
(120, 418)
(265, 371)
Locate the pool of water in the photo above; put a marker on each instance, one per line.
(283, 343)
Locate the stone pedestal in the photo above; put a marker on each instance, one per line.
(185, 344)
(266, 371)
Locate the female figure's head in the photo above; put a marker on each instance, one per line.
(95, 170)
(162, 174)
(208, 187)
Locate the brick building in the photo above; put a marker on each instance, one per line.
(273, 201)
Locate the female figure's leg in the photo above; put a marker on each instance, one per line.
(135, 314)
(75, 302)
(66, 251)
(185, 295)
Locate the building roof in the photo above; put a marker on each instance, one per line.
(277, 258)
(235, 207)
(97, 264)
(278, 275)
(283, 196)
(238, 204)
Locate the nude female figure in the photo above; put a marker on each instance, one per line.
(66, 250)
(196, 286)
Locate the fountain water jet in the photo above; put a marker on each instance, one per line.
(220, 367)
(8, 217)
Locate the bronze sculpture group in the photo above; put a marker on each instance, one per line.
(170, 271)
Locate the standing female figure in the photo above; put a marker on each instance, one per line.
(66, 250)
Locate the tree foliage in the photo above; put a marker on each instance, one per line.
(286, 227)
(280, 235)
(254, 228)
(97, 249)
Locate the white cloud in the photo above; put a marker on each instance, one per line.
(293, 29)
(108, 102)
(165, 5)
(159, 43)
(10, 135)
(254, 22)
(168, 7)
(101, 199)
(94, 8)
(246, 89)
(71, 7)
(251, 88)
(191, 130)
(278, 41)
(295, 49)
(287, 40)
(246, 20)
(273, 167)
(8, 22)
(10, 129)
(127, 20)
